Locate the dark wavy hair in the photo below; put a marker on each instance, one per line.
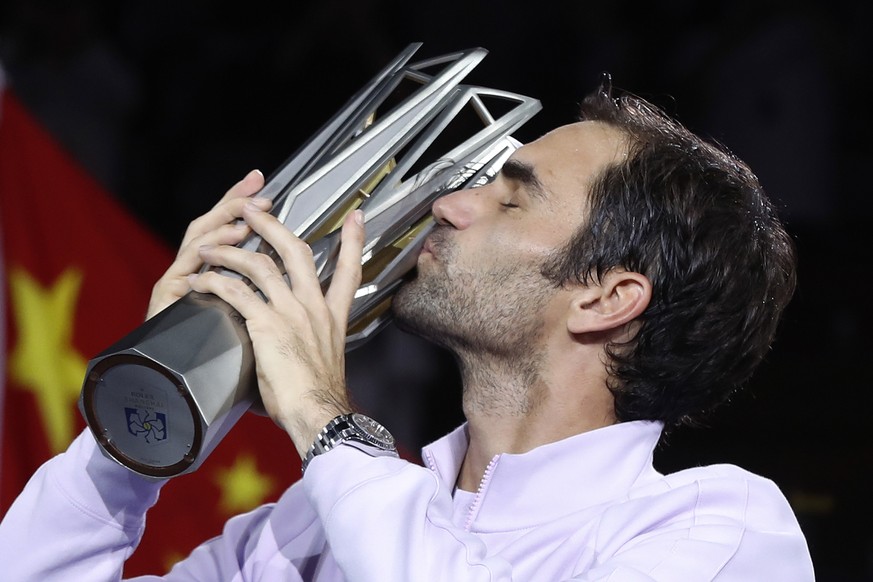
(694, 219)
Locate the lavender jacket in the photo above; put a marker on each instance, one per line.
(590, 507)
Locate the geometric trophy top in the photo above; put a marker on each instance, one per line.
(412, 134)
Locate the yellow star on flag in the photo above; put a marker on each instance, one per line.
(242, 486)
(44, 360)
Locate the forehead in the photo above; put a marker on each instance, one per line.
(567, 159)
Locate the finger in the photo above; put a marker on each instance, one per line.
(227, 212)
(234, 292)
(164, 293)
(188, 260)
(213, 228)
(248, 186)
(295, 254)
(259, 268)
(229, 208)
(347, 276)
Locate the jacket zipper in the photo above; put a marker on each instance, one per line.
(480, 492)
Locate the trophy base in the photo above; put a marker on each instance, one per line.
(142, 416)
(160, 399)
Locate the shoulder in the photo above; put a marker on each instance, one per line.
(724, 494)
(735, 494)
(718, 502)
(719, 519)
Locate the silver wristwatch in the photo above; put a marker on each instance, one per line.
(357, 430)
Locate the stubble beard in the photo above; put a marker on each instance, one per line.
(490, 319)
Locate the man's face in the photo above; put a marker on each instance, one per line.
(479, 286)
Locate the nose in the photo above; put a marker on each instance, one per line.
(456, 209)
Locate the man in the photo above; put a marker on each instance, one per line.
(620, 275)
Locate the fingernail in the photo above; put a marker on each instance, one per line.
(192, 277)
(254, 204)
(359, 217)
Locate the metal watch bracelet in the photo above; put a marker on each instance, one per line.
(354, 429)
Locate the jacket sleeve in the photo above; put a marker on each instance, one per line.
(81, 516)
(78, 518)
(389, 521)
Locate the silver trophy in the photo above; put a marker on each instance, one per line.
(159, 400)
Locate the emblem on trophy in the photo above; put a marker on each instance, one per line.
(160, 399)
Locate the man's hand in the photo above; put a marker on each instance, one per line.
(298, 333)
(216, 227)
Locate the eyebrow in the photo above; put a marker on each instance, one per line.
(524, 174)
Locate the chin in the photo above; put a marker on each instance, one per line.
(412, 306)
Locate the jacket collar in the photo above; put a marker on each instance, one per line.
(523, 490)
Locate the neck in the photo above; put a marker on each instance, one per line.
(514, 407)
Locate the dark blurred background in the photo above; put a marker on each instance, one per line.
(169, 103)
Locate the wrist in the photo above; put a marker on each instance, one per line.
(303, 433)
(309, 419)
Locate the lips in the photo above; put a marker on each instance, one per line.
(436, 243)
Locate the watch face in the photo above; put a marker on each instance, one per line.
(375, 432)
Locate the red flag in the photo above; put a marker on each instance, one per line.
(77, 273)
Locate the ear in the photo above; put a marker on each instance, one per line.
(620, 297)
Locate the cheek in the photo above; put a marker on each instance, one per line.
(532, 246)
(522, 243)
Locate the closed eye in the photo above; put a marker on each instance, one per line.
(508, 205)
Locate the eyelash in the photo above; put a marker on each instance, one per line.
(508, 205)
